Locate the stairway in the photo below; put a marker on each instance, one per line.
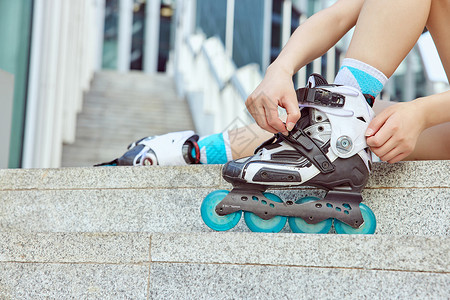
(136, 233)
(121, 108)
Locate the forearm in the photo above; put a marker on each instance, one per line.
(318, 34)
(435, 109)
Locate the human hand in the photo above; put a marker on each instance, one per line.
(392, 134)
(276, 89)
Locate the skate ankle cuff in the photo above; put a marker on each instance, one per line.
(319, 96)
(191, 150)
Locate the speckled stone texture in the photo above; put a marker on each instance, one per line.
(105, 248)
(136, 233)
(376, 252)
(205, 281)
(222, 266)
(399, 211)
(73, 281)
(400, 175)
(111, 178)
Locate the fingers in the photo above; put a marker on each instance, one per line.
(398, 158)
(377, 122)
(393, 156)
(292, 110)
(380, 138)
(265, 113)
(393, 150)
(274, 121)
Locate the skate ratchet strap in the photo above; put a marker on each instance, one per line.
(320, 96)
(306, 146)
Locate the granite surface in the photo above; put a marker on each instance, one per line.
(75, 247)
(211, 281)
(369, 252)
(419, 174)
(73, 281)
(222, 266)
(136, 233)
(423, 211)
(110, 178)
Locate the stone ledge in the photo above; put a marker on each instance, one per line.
(423, 211)
(222, 266)
(420, 174)
(365, 252)
(110, 178)
(99, 248)
(200, 281)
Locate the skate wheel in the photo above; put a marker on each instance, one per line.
(256, 224)
(298, 225)
(369, 226)
(211, 218)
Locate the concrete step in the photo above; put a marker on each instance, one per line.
(222, 266)
(411, 198)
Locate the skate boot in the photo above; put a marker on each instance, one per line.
(172, 149)
(326, 149)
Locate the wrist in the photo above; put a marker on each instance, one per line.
(423, 112)
(280, 68)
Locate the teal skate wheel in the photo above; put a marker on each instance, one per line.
(256, 224)
(369, 226)
(211, 218)
(298, 225)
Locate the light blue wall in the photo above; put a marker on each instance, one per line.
(15, 33)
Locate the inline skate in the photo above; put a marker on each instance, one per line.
(171, 149)
(326, 149)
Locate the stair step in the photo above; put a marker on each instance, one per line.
(408, 198)
(222, 266)
(121, 108)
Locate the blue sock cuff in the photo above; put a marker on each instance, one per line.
(368, 79)
(212, 149)
(367, 83)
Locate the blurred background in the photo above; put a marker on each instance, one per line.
(80, 80)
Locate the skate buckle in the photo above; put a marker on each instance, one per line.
(320, 96)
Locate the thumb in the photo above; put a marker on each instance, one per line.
(376, 123)
(292, 110)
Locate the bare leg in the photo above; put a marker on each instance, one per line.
(439, 26)
(434, 142)
(386, 31)
(245, 140)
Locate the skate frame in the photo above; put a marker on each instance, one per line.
(340, 205)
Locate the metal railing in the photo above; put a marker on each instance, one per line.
(215, 89)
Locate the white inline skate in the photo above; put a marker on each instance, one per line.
(172, 149)
(326, 149)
